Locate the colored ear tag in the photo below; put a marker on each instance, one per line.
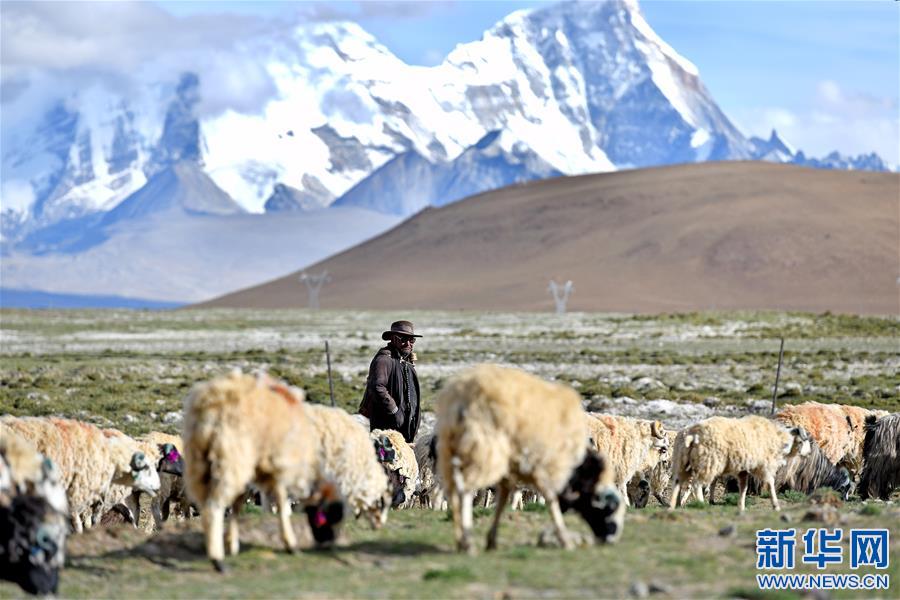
(381, 454)
(173, 455)
(321, 519)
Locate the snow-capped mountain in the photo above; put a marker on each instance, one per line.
(775, 149)
(566, 89)
(586, 87)
(410, 182)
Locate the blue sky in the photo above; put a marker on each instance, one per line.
(826, 74)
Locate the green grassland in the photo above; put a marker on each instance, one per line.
(132, 370)
(681, 554)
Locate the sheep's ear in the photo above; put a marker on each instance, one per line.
(849, 422)
(870, 419)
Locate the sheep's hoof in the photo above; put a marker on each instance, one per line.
(290, 550)
(219, 565)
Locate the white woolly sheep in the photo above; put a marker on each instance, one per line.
(404, 462)
(881, 471)
(243, 429)
(501, 426)
(88, 463)
(343, 454)
(629, 445)
(741, 447)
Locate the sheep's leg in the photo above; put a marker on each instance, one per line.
(466, 515)
(673, 500)
(518, 500)
(232, 535)
(435, 498)
(743, 481)
(133, 504)
(503, 489)
(77, 527)
(698, 491)
(771, 481)
(461, 507)
(623, 491)
(284, 516)
(456, 513)
(160, 511)
(558, 523)
(213, 518)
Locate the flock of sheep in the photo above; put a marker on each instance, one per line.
(499, 432)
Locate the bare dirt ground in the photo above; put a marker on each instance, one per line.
(711, 236)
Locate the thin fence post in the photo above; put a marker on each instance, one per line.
(777, 375)
(330, 382)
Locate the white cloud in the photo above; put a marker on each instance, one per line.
(121, 44)
(834, 119)
(16, 195)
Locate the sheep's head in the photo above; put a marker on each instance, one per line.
(170, 460)
(33, 535)
(384, 449)
(325, 512)
(397, 487)
(51, 488)
(799, 443)
(377, 513)
(844, 484)
(144, 476)
(599, 504)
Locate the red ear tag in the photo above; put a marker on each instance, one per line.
(321, 519)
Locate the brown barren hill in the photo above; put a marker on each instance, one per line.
(726, 235)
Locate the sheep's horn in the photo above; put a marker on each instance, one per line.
(657, 429)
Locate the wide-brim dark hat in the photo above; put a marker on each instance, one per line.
(400, 328)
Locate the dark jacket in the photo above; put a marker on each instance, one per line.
(385, 403)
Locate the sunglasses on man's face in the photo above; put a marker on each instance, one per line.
(405, 340)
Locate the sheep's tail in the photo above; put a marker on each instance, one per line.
(691, 441)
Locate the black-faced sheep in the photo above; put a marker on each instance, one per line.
(32, 543)
(88, 462)
(500, 426)
(403, 464)
(33, 514)
(345, 456)
(741, 447)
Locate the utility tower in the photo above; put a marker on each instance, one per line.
(314, 283)
(561, 295)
